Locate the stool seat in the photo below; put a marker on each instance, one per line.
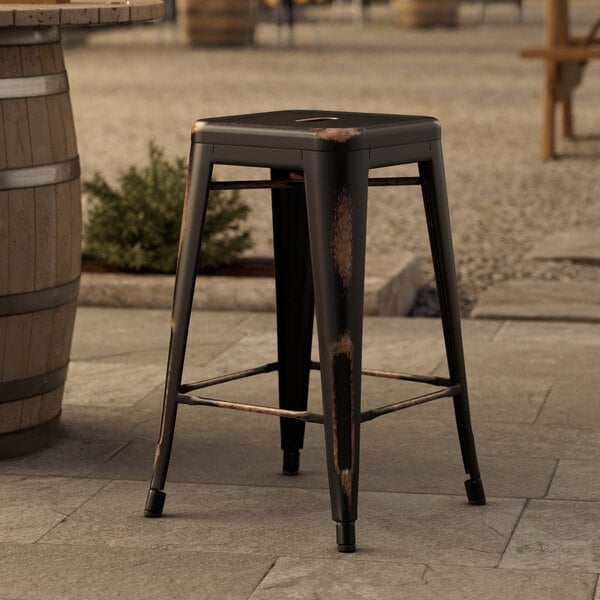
(316, 130)
(319, 163)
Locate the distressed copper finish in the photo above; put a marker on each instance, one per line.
(307, 416)
(343, 346)
(341, 237)
(432, 380)
(198, 126)
(337, 134)
(343, 350)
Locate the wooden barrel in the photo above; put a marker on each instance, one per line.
(40, 236)
(218, 22)
(425, 13)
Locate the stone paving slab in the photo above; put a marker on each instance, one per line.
(234, 519)
(554, 534)
(495, 397)
(82, 422)
(573, 401)
(32, 506)
(580, 245)
(110, 382)
(522, 359)
(306, 579)
(576, 480)
(545, 300)
(126, 379)
(538, 441)
(34, 571)
(104, 331)
(65, 457)
(553, 334)
(418, 328)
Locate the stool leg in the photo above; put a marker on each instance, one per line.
(440, 236)
(295, 313)
(194, 212)
(336, 189)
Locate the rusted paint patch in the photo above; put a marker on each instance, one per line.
(341, 237)
(156, 455)
(346, 481)
(339, 135)
(343, 411)
(183, 224)
(198, 125)
(344, 345)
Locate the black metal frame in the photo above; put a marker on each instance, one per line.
(319, 182)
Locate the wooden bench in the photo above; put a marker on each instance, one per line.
(566, 57)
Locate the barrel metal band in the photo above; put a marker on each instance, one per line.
(44, 299)
(29, 36)
(18, 389)
(33, 87)
(12, 179)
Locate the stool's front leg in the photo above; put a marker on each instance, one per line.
(336, 189)
(194, 212)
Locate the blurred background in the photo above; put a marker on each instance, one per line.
(457, 61)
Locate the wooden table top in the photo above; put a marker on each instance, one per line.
(80, 13)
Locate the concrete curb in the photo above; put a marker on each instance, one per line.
(391, 285)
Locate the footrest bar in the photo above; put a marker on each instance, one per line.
(369, 415)
(265, 184)
(309, 417)
(190, 387)
(430, 379)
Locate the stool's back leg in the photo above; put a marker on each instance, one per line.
(336, 189)
(440, 237)
(295, 312)
(194, 212)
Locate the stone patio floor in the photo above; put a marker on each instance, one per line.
(72, 525)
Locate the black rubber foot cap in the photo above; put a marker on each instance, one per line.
(346, 539)
(155, 503)
(475, 492)
(291, 462)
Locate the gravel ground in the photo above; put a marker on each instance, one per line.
(132, 85)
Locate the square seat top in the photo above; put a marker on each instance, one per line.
(316, 130)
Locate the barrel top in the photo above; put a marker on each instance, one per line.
(80, 13)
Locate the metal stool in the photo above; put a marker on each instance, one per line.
(319, 163)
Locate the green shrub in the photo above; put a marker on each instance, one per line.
(137, 226)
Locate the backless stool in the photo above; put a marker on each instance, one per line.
(319, 163)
